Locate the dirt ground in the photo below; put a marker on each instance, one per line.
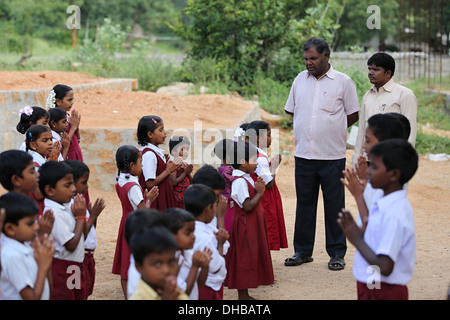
(428, 192)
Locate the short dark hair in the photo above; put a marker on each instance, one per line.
(17, 206)
(13, 162)
(210, 176)
(79, 168)
(384, 60)
(404, 121)
(398, 154)
(243, 151)
(140, 219)
(51, 172)
(385, 126)
(321, 45)
(156, 239)
(56, 114)
(224, 149)
(176, 140)
(146, 124)
(197, 197)
(177, 217)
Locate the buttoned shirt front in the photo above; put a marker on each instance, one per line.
(320, 108)
(392, 97)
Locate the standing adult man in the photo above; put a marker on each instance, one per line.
(385, 96)
(324, 103)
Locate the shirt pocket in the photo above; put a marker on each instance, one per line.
(330, 102)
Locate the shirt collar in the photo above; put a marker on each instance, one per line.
(331, 73)
(238, 173)
(385, 202)
(156, 149)
(131, 178)
(37, 157)
(388, 86)
(17, 246)
(55, 205)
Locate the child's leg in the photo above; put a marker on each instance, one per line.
(123, 283)
(243, 295)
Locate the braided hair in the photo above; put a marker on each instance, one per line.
(126, 155)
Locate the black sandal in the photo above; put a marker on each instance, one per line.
(297, 260)
(336, 264)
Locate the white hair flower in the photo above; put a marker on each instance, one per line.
(50, 103)
(27, 110)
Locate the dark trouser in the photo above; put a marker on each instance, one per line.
(309, 175)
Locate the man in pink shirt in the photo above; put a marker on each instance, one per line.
(324, 103)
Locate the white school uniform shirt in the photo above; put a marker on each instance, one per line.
(150, 162)
(185, 260)
(263, 167)
(91, 239)
(62, 231)
(204, 237)
(390, 231)
(320, 108)
(239, 188)
(133, 277)
(57, 137)
(135, 193)
(369, 194)
(19, 270)
(37, 158)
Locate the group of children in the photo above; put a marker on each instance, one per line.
(185, 235)
(227, 219)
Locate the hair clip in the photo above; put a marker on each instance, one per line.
(51, 99)
(154, 121)
(27, 110)
(30, 135)
(127, 175)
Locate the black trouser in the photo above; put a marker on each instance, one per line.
(309, 175)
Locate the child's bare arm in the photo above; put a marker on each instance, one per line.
(355, 236)
(356, 188)
(79, 211)
(250, 203)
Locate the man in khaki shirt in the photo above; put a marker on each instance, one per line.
(385, 96)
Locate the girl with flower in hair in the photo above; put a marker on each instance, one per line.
(132, 197)
(30, 116)
(156, 166)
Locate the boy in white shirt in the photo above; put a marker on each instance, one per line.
(57, 185)
(25, 272)
(384, 262)
(200, 200)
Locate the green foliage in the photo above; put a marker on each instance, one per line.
(431, 143)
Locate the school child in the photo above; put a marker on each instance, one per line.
(58, 124)
(25, 272)
(129, 165)
(194, 265)
(200, 200)
(156, 243)
(56, 184)
(39, 144)
(386, 249)
(156, 168)
(30, 116)
(222, 150)
(179, 147)
(210, 176)
(80, 172)
(18, 174)
(259, 134)
(380, 127)
(137, 221)
(249, 263)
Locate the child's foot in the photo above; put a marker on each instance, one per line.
(243, 295)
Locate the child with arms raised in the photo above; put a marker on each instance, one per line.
(200, 200)
(56, 184)
(259, 134)
(194, 265)
(179, 147)
(25, 272)
(249, 263)
(38, 143)
(132, 197)
(387, 245)
(58, 124)
(81, 173)
(156, 166)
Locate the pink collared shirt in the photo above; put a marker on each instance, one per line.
(320, 108)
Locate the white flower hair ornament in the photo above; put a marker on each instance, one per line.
(238, 133)
(27, 110)
(51, 99)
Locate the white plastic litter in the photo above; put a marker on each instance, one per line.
(438, 157)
